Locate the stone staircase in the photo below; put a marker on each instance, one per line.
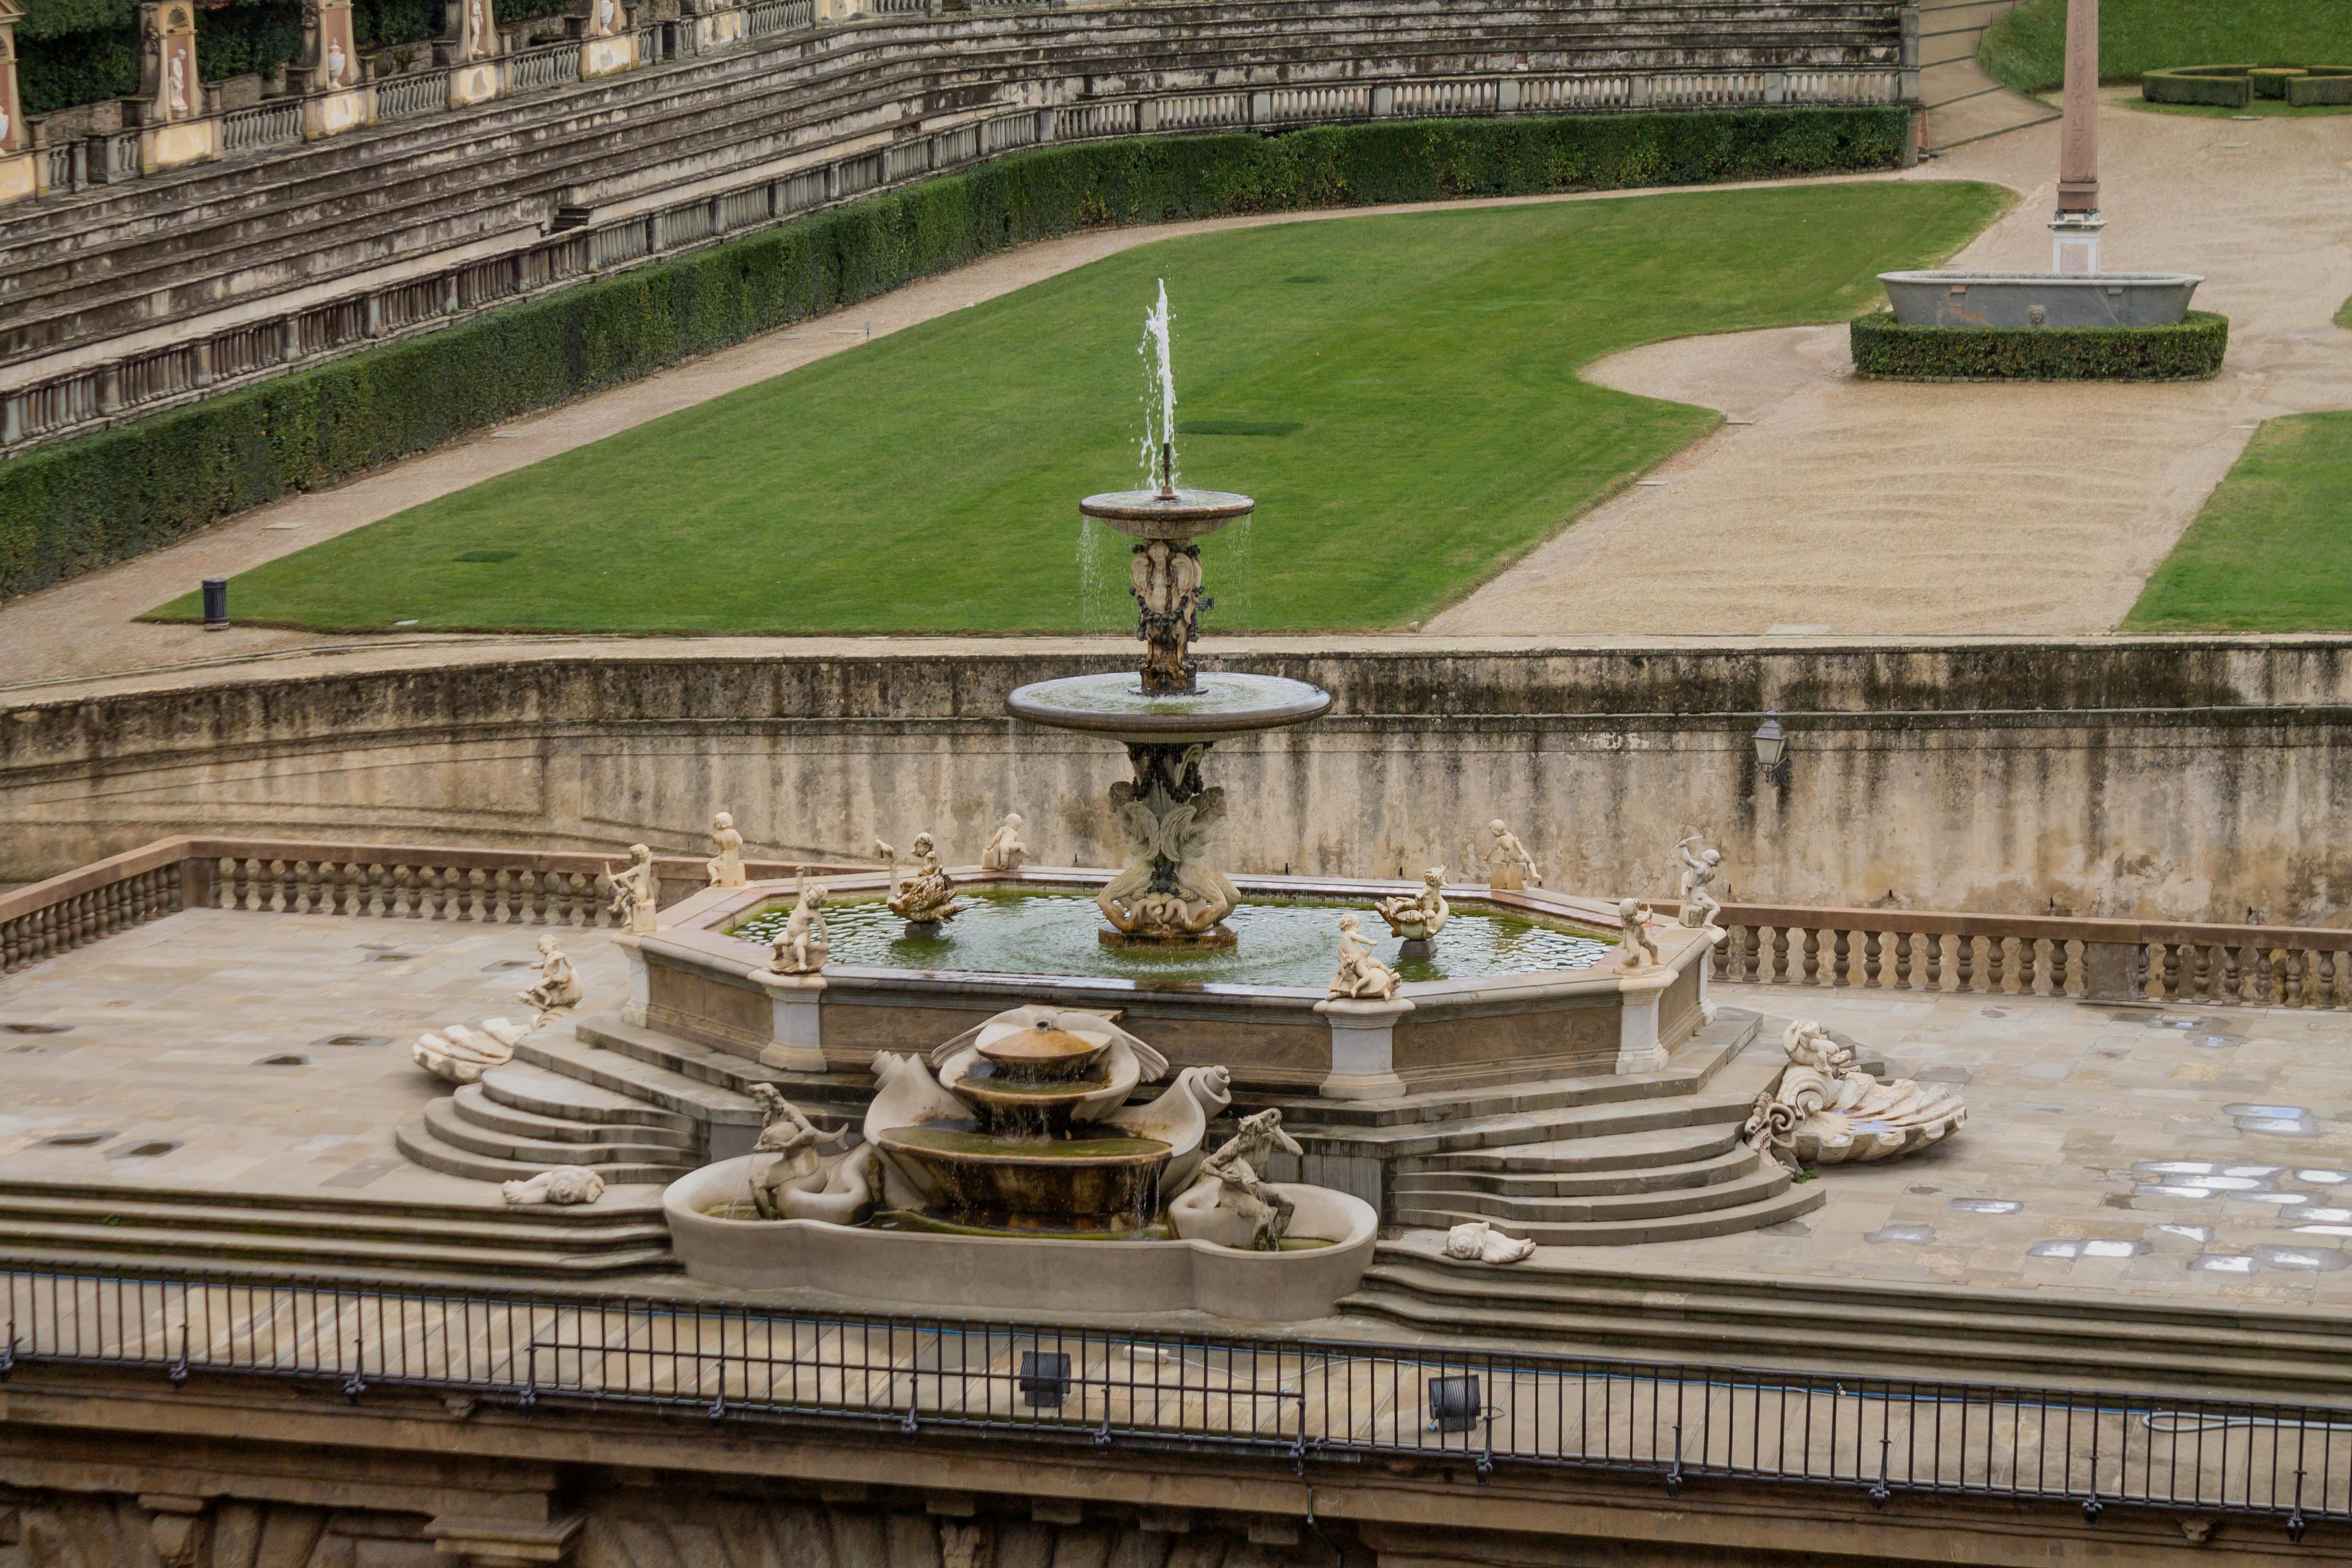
(1854, 1327)
(1599, 1161)
(1964, 104)
(90, 1226)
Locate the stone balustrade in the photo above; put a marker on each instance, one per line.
(2093, 960)
(387, 881)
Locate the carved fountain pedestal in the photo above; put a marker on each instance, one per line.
(1170, 892)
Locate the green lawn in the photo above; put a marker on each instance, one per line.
(1399, 392)
(2026, 49)
(2272, 550)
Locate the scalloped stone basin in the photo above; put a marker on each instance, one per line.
(1228, 703)
(1020, 1274)
(1950, 299)
(1093, 1181)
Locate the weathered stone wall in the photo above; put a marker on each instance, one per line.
(2160, 778)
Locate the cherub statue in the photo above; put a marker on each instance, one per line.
(1420, 916)
(558, 989)
(1231, 1179)
(801, 946)
(1005, 851)
(1478, 1241)
(1510, 867)
(564, 1184)
(726, 867)
(786, 1150)
(1360, 976)
(926, 898)
(1700, 867)
(1635, 950)
(636, 889)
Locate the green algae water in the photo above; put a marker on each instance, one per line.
(1283, 942)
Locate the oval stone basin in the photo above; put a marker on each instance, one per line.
(1950, 299)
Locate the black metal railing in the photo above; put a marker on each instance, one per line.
(1292, 1400)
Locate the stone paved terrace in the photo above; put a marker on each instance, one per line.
(167, 1031)
(2116, 1150)
(2173, 1156)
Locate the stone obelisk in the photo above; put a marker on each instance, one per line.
(2075, 232)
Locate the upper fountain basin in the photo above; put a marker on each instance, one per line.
(1228, 703)
(1179, 515)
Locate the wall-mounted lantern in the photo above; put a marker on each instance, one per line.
(1771, 744)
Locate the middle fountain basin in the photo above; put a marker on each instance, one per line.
(1570, 1015)
(1096, 1182)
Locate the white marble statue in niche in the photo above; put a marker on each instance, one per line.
(1361, 977)
(1700, 867)
(1510, 867)
(1827, 1112)
(800, 947)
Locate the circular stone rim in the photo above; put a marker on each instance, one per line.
(1300, 703)
(1148, 515)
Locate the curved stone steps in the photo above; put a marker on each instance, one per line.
(1725, 1162)
(1569, 1159)
(473, 1104)
(623, 1233)
(1759, 1198)
(1853, 1327)
(451, 1126)
(521, 1085)
(419, 1141)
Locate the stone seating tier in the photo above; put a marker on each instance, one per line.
(197, 242)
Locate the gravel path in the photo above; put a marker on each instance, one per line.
(1864, 508)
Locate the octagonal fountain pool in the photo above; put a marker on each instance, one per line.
(1028, 929)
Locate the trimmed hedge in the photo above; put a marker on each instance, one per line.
(2189, 352)
(2236, 87)
(116, 493)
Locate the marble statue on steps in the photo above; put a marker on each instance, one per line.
(1005, 851)
(637, 890)
(1361, 977)
(726, 865)
(1510, 867)
(458, 1055)
(558, 989)
(1700, 868)
(564, 1185)
(801, 946)
(1478, 1241)
(1637, 950)
(1827, 1112)
(1230, 1201)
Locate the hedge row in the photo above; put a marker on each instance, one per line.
(2189, 352)
(116, 493)
(2235, 87)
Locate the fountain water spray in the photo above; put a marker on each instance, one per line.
(1159, 382)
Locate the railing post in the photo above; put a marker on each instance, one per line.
(2111, 971)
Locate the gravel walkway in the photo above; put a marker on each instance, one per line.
(1832, 504)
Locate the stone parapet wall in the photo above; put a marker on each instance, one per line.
(2164, 779)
